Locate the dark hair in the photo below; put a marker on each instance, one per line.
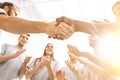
(9, 4)
(26, 34)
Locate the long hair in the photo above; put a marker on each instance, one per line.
(52, 55)
(38, 59)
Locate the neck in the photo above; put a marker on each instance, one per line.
(20, 45)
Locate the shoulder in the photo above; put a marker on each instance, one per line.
(8, 45)
(5, 45)
(2, 11)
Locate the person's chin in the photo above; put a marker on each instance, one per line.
(92, 45)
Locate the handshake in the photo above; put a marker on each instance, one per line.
(62, 29)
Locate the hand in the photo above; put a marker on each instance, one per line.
(45, 61)
(75, 51)
(71, 56)
(74, 70)
(27, 60)
(60, 75)
(70, 65)
(65, 20)
(19, 52)
(61, 31)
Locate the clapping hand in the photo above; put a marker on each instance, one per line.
(75, 51)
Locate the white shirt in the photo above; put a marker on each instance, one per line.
(2, 11)
(9, 69)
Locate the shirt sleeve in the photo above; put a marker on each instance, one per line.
(4, 48)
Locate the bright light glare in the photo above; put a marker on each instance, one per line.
(110, 49)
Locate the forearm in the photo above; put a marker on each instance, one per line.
(85, 27)
(105, 66)
(6, 57)
(22, 71)
(78, 75)
(94, 28)
(99, 71)
(51, 74)
(19, 25)
(32, 71)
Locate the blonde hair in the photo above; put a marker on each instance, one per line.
(117, 3)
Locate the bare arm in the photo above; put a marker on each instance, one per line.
(90, 28)
(105, 66)
(24, 67)
(94, 68)
(51, 74)
(31, 71)
(10, 56)
(18, 25)
(99, 71)
(43, 62)
(79, 26)
(102, 64)
(76, 72)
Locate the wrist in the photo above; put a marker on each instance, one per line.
(49, 28)
(76, 28)
(49, 67)
(14, 55)
(73, 25)
(87, 55)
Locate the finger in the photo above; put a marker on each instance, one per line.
(61, 36)
(58, 36)
(64, 32)
(23, 50)
(74, 48)
(50, 36)
(69, 48)
(58, 20)
(53, 36)
(57, 23)
(66, 28)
